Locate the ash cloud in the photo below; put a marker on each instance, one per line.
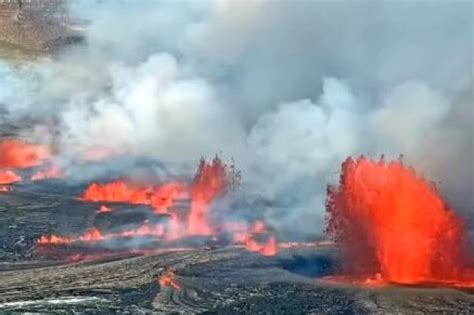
(287, 89)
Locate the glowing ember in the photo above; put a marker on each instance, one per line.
(169, 280)
(391, 223)
(8, 177)
(17, 154)
(51, 172)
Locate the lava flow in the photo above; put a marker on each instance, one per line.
(118, 191)
(169, 280)
(392, 226)
(211, 181)
(269, 247)
(18, 154)
(9, 177)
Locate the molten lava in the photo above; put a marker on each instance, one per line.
(118, 191)
(92, 235)
(392, 225)
(169, 280)
(159, 197)
(164, 196)
(17, 154)
(210, 181)
(269, 247)
(9, 177)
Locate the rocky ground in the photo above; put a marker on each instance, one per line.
(38, 25)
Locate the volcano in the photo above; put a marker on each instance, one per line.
(204, 157)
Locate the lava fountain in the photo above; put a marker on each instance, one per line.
(18, 154)
(392, 225)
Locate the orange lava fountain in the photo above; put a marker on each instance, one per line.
(18, 154)
(392, 225)
(210, 181)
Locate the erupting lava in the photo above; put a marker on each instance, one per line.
(392, 225)
(249, 239)
(118, 191)
(17, 154)
(212, 180)
(159, 197)
(9, 177)
(169, 279)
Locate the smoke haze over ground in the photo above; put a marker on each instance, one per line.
(287, 89)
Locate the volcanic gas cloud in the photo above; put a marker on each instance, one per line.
(392, 225)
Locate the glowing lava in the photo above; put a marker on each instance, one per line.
(210, 181)
(169, 280)
(269, 247)
(392, 225)
(9, 177)
(18, 154)
(178, 220)
(118, 191)
(92, 235)
(159, 197)
(164, 196)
